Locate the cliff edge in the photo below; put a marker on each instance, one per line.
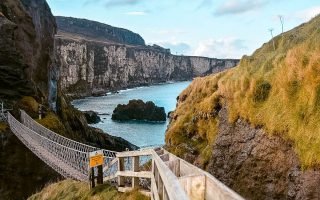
(91, 64)
(97, 30)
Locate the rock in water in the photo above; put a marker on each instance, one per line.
(92, 117)
(138, 110)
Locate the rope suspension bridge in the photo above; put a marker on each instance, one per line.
(156, 172)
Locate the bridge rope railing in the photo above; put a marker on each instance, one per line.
(68, 157)
(35, 126)
(68, 162)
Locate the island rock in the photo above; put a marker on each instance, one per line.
(138, 110)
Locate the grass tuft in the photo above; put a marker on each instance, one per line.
(70, 190)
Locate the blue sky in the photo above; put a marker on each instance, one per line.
(212, 28)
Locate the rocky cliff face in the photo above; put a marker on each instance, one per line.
(26, 47)
(98, 30)
(258, 165)
(91, 66)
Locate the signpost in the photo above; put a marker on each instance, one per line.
(96, 160)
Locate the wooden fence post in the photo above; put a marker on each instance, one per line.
(120, 168)
(92, 181)
(135, 168)
(100, 175)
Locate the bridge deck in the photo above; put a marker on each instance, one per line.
(44, 154)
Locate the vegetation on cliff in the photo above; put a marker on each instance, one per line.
(278, 90)
(70, 189)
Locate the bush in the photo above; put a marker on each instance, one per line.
(261, 91)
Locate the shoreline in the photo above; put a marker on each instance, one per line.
(121, 90)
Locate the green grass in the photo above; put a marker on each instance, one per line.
(278, 90)
(71, 190)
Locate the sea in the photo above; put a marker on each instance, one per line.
(139, 133)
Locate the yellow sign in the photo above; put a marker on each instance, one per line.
(96, 158)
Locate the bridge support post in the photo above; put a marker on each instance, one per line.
(92, 181)
(135, 168)
(100, 175)
(120, 168)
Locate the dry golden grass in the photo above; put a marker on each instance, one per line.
(71, 190)
(29, 104)
(279, 90)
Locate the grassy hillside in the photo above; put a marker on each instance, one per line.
(278, 90)
(69, 190)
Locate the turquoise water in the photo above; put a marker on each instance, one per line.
(138, 133)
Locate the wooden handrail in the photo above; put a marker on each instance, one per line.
(124, 154)
(169, 180)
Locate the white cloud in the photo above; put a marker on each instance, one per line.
(221, 48)
(239, 6)
(136, 13)
(307, 14)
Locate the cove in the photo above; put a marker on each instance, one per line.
(139, 133)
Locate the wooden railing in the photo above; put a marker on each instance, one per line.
(168, 178)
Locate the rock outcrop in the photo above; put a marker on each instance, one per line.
(258, 165)
(91, 117)
(93, 65)
(26, 46)
(138, 110)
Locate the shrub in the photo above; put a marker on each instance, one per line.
(261, 91)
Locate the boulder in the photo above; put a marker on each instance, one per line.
(92, 117)
(138, 110)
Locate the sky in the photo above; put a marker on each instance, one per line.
(210, 28)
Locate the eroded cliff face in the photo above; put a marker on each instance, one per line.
(26, 42)
(259, 165)
(94, 67)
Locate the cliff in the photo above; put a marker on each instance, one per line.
(255, 127)
(26, 46)
(93, 65)
(28, 77)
